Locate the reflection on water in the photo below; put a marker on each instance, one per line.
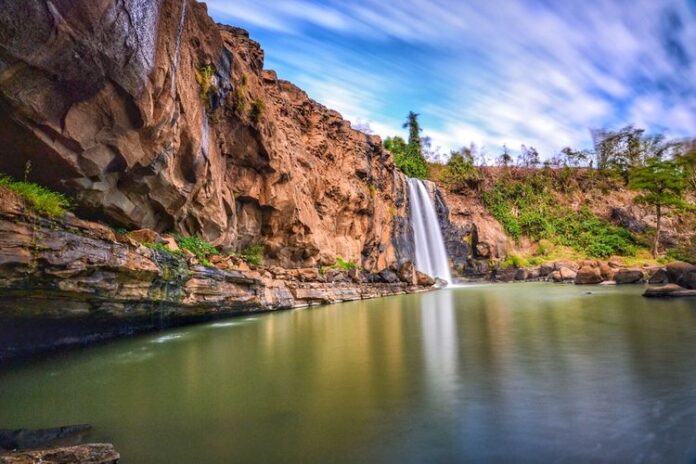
(498, 373)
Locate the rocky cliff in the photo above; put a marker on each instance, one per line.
(148, 114)
(68, 281)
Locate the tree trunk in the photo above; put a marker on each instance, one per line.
(657, 232)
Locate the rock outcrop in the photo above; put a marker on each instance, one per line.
(68, 281)
(150, 115)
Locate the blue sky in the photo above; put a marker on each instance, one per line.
(535, 72)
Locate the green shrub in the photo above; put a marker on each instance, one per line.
(513, 260)
(41, 199)
(204, 77)
(460, 173)
(528, 207)
(199, 247)
(253, 254)
(344, 265)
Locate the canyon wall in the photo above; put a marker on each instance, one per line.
(148, 114)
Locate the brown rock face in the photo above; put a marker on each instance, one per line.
(152, 116)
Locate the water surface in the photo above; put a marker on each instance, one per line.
(494, 373)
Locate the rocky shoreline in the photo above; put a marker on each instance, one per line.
(69, 282)
(676, 279)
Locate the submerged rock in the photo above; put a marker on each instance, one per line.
(669, 290)
(19, 439)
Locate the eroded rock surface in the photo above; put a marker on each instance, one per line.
(152, 116)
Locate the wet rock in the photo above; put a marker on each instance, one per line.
(588, 276)
(688, 279)
(506, 275)
(546, 270)
(424, 280)
(407, 273)
(389, 276)
(521, 274)
(676, 269)
(659, 276)
(669, 290)
(97, 453)
(628, 276)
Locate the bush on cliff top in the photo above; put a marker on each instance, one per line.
(41, 199)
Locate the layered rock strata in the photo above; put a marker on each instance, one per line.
(69, 281)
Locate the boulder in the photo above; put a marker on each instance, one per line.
(628, 276)
(424, 280)
(546, 269)
(676, 269)
(506, 275)
(521, 274)
(688, 279)
(588, 276)
(556, 276)
(573, 266)
(144, 236)
(659, 277)
(669, 290)
(607, 272)
(389, 276)
(533, 274)
(407, 273)
(615, 263)
(567, 273)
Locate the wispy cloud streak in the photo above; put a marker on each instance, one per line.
(539, 72)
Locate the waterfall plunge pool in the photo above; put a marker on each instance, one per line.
(493, 373)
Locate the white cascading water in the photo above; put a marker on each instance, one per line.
(431, 255)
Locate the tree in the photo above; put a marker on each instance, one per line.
(408, 157)
(529, 157)
(504, 160)
(662, 183)
(414, 130)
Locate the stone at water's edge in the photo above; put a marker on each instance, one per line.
(669, 290)
(96, 453)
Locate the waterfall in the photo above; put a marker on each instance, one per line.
(431, 255)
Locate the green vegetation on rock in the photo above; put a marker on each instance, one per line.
(199, 247)
(528, 207)
(41, 199)
(253, 254)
